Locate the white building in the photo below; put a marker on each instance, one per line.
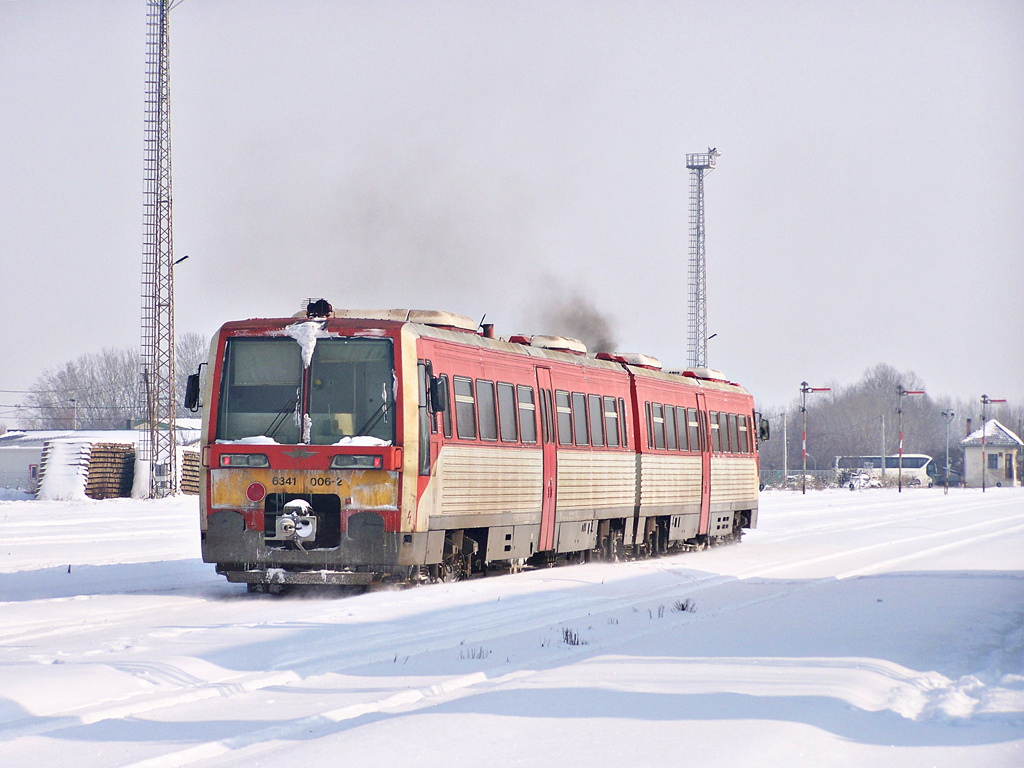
(1002, 456)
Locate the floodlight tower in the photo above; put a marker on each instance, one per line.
(700, 164)
(157, 443)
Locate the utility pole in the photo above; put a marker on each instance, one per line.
(804, 389)
(785, 450)
(883, 448)
(948, 417)
(700, 164)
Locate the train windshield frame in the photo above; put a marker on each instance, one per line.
(348, 391)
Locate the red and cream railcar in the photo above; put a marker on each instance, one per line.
(345, 447)
(698, 455)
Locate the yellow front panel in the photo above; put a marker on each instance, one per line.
(357, 488)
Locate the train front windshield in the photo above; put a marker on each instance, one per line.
(348, 391)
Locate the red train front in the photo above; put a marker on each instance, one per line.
(351, 447)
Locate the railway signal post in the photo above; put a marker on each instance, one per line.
(900, 392)
(985, 400)
(804, 389)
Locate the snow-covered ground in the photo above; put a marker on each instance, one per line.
(851, 629)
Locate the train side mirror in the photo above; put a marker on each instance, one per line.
(438, 394)
(193, 390)
(764, 431)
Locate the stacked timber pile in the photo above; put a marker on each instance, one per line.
(111, 470)
(190, 472)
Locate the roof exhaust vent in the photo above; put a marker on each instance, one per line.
(632, 358)
(559, 344)
(319, 308)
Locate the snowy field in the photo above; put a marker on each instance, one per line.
(851, 629)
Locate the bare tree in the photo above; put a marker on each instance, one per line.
(849, 421)
(95, 391)
(101, 391)
(190, 350)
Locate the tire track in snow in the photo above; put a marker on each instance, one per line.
(906, 692)
(495, 621)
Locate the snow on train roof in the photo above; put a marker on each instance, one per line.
(547, 353)
(694, 378)
(690, 376)
(419, 316)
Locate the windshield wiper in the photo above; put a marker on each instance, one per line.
(275, 425)
(372, 421)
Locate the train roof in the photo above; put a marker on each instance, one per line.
(691, 377)
(516, 347)
(460, 329)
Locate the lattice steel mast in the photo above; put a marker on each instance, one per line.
(700, 164)
(157, 440)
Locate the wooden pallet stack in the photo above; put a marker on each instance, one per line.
(111, 470)
(190, 472)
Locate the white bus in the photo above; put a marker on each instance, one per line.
(918, 469)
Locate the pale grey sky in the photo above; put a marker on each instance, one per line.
(486, 157)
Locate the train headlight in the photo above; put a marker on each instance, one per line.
(342, 461)
(244, 460)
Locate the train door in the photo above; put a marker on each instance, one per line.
(547, 514)
(705, 463)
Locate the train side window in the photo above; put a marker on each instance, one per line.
(694, 428)
(563, 413)
(579, 419)
(549, 415)
(465, 410)
(446, 414)
(624, 423)
(596, 414)
(670, 427)
(682, 424)
(734, 434)
(716, 433)
(527, 415)
(545, 415)
(507, 413)
(488, 414)
(611, 422)
(650, 429)
(424, 419)
(658, 418)
(741, 427)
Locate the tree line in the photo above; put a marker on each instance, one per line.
(855, 420)
(104, 390)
